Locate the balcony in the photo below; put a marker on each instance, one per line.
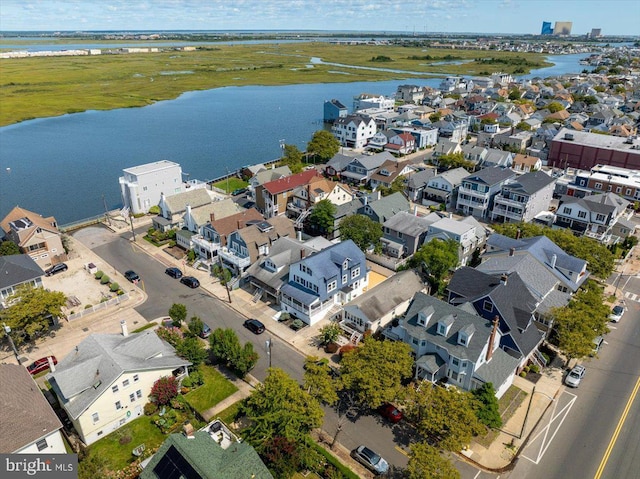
(297, 210)
(500, 210)
(473, 203)
(499, 199)
(205, 244)
(477, 194)
(231, 257)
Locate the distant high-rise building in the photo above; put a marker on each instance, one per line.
(546, 29)
(562, 28)
(596, 33)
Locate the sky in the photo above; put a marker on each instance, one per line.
(614, 17)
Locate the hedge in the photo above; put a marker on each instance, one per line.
(346, 472)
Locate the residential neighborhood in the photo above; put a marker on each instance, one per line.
(441, 243)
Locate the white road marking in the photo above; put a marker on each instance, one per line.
(631, 296)
(476, 476)
(564, 412)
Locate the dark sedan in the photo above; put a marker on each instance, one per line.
(55, 269)
(132, 276)
(190, 281)
(174, 272)
(254, 326)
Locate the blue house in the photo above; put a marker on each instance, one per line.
(333, 110)
(328, 278)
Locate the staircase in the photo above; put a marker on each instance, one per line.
(355, 338)
(539, 359)
(301, 218)
(257, 295)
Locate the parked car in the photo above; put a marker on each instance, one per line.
(190, 281)
(131, 276)
(238, 191)
(390, 412)
(55, 269)
(41, 364)
(206, 331)
(616, 314)
(174, 272)
(575, 376)
(370, 459)
(254, 326)
(597, 344)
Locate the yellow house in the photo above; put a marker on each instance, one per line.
(106, 381)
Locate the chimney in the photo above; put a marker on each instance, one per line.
(187, 430)
(212, 217)
(450, 215)
(518, 234)
(492, 338)
(240, 224)
(512, 251)
(187, 210)
(554, 258)
(503, 279)
(299, 235)
(415, 210)
(52, 366)
(123, 326)
(303, 253)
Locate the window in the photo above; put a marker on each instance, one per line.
(598, 186)
(628, 192)
(455, 361)
(600, 218)
(345, 278)
(464, 364)
(415, 341)
(144, 188)
(125, 383)
(139, 393)
(345, 265)
(95, 417)
(442, 329)
(618, 189)
(114, 388)
(487, 306)
(132, 397)
(42, 444)
(118, 405)
(355, 272)
(331, 286)
(566, 210)
(462, 339)
(582, 214)
(136, 378)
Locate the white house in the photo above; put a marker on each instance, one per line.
(141, 185)
(105, 382)
(29, 425)
(354, 131)
(365, 101)
(522, 199)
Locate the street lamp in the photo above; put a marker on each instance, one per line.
(268, 345)
(7, 330)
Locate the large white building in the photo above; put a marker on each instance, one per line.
(142, 185)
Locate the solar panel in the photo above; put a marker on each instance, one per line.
(174, 466)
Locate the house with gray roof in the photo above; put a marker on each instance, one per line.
(270, 273)
(505, 297)
(386, 207)
(106, 380)
(18, 270)
(173, 207)
(417, 182)
(325, 279)
(592, 216)
(495, 157)
(29, 425)
(467, 232)
(196, 218)
(455, 344)
(360, 169)
(404, 233)
(444, 186)
(477, 191)
(265, 176)
(375, 308)
(212, 452)
(523, 198)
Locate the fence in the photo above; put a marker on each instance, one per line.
(82, 223)
(105, 304)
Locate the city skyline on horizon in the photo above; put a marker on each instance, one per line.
(620, 17)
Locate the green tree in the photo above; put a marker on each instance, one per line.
(246, 360)
(30, 311)
(437, 257)
(178, 313)
(292, 158)
(397, 186)
(454, 160)
(192, 350)
(523, 125)
(279, 407)
(224, 344)
(375, 371)
(435, 117)
(8, 248)
(329, 333)
(323, 145)
(488, 412)
(426, 462)
(554, 107)
(445, 415)
(322, 217)
(196, 326)
(318, 382)
(577, 324)
(514, 94)
(362, 230)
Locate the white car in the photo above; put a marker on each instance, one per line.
(575, 376)
(616, 314)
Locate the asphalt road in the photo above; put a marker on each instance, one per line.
(579, 437)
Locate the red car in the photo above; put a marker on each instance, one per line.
(41, 364)
(390, 412)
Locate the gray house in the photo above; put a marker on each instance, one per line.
(386, 207)
(18, 270)
(523, 198)
(444, 187)
(476, 194)
(403, 234)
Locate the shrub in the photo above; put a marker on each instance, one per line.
(186, 382)
(105, 279)
(150, 408)
(197, 379)
(523, 374)
(173, 335)
(114, 287)
(154, 210)
(164, 390)
(98, 275)
(87, 306)
(346, 348)
(534, 368)
(126, 439)
(297, 324)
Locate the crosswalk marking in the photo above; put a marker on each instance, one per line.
(632, 297)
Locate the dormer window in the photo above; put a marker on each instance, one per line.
(487, 306)
(442, 329)
(345, 265)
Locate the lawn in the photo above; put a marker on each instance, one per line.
(215, 388)
(231, 184)
(118, 456)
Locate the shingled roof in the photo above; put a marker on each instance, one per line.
(288, 183)
(17, 269)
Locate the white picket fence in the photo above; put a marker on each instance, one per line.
(97, 307)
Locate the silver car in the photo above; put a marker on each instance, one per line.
(370, 459)
(575, 376)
